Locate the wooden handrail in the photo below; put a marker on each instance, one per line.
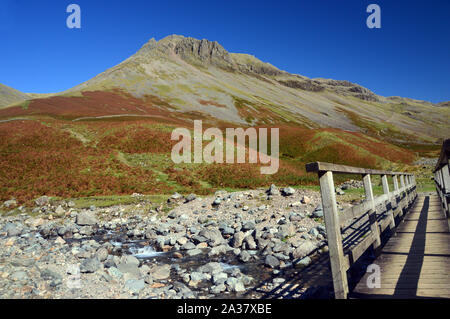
(337, 168)
(442, 178)
(395, 202)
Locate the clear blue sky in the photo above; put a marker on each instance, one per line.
(409, 56)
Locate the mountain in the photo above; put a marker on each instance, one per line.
(10, 96)
(187, 76)
(112, 134)
(200, 75)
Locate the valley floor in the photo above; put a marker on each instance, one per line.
(240, 244)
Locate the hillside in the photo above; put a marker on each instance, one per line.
(111, 134)
(10, 96)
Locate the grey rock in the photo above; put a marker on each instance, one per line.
(19, 276)
(102, 254)
(86, 219)
(273, 190)
(288, 191)
(304, 249)
(302, 262)
(238, 239)
(317, 214)
(218, 250)
(194, 252)
(42, 201)
(197, 276)
(188, 246)
(161, 272)
(244, 256)
(271, 261)
(10, 203)
(213, 236)
(218, 289)
(90, 265)
(135, 285)
(219, 278)
(190, 198)
(115, 273)
(250, 225)
(12, 229)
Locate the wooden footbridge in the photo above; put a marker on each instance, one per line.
(408, 232)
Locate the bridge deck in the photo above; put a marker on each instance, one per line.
(415, 262)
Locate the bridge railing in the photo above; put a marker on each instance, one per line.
(370, 218)
(442, 177)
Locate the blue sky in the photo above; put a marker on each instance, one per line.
(409, 56)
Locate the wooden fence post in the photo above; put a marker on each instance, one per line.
(369, 197)
(385, 183)
(334, 236)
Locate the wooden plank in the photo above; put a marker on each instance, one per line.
(372, 214)
(336, 168)
(416, 261)
(334, 238)
(386, 192)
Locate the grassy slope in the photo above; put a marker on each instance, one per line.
(120, 156)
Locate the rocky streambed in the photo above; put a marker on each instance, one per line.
(230, 245)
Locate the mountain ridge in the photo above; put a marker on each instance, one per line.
(188, 75)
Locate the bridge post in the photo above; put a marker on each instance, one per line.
(369, 197)
(403, 202)
(385, 183)
(334, 237)
(397, 192)
(445, 173)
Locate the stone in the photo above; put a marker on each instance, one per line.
(190, 198)
(197, 276)
(302, 263)
(102, 254)
(244, 256)
(306, 200)
(218, 289)
(60, 241)
(250, 242)
(161, 272)
(278, 280)
(188, 246)
(19, 276)
(60, 211)
(213, 236)
(273, 190)
(238, 239)
(271, 261)
(90, 265)
(250, 225)
(317, 214)
(235, 285)
(304, 249)
(314, 232)
(42, 201)
(219, 278)
(115, 273)
(10, 203)
(12, 229)
(135, 285)
(193, 252)
(49, 274)
(211, 268)
(222, 249)
(86, 219)
(130, 265)
(288, 191)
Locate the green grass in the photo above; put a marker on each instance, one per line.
(108, 201)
